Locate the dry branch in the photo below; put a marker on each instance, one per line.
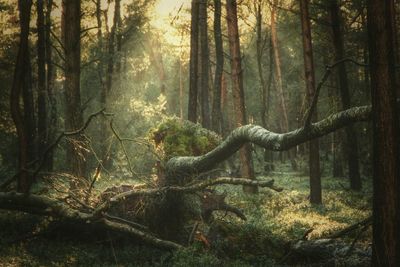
(181, 189)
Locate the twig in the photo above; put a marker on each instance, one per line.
(121, 142)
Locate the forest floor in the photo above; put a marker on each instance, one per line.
(274, 221)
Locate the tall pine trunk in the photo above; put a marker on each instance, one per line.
(23, 179)
(193, 72)
(73, 118)
(50, 77)
(204, 66)
(351, 142)
(386, 181)
(42, 92)
(315, 175)
(247, 169)
(219, 68)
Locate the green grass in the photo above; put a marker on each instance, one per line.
(274, 219)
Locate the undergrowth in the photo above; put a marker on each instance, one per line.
(273, 220)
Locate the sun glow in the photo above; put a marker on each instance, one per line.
(168, 18)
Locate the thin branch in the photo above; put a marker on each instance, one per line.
(57, 39)
(328, 71)
(121, 142)
(46, 152)
(58, 52)
(154, 192)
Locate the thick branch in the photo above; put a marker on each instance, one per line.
(41, 205)
(179, 167)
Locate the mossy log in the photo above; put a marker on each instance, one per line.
(181, 179)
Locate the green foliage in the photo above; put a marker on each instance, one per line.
(174, 137)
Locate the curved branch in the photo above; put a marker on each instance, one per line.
(179, 167)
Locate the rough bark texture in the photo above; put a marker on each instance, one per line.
(351, 143)
(386, 196)
(23, 181)
(247, 169)
(219, 68)
(315, 175)
(73, 116)
(203, 66)
(193, 72)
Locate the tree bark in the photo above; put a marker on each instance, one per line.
(73, 116)
(23, 179)
(278, 71)
(193, 72)
(204, 66)
(351, 142)
(42, 92)
(111, 46)
(50, 77)
(219, 68)
(386, 181)
(247, 169)
(315, 175)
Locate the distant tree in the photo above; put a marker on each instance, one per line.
(247, 169)
(386, 181)
(193, 72)
(315, 175)
(74, 115)
(111, 45)
(219, 69)
(204, 65)
(351, 142)
(19, 81)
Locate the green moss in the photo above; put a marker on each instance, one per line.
(174, 137)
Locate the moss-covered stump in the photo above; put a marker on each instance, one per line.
(174, 137)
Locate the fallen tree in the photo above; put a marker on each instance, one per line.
(165, 210)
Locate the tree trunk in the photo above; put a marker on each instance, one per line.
(247, 169)
(73, 117)
(29, 108)
(111, 46)
(219, 68)
(50, 77)
(42, 92)
(315, 175)
(351, 143)
(204, 65)
(265, 86)
(181, 87)
(278, 71)
(193, 72)
(386, 181)
(23, 179)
